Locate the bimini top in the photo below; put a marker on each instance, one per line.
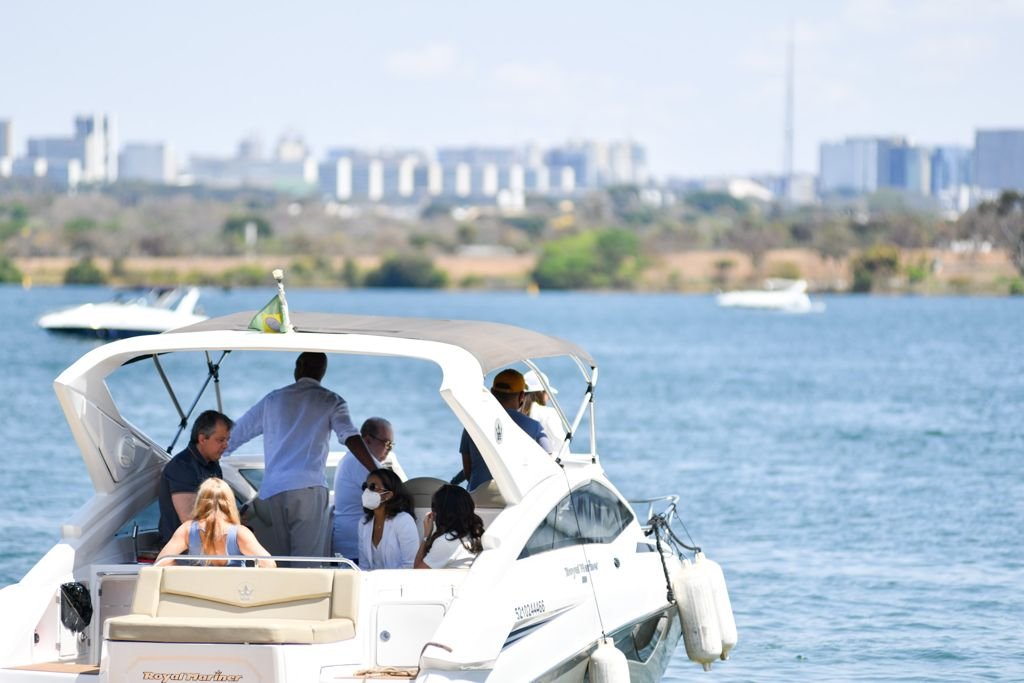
(494, 345)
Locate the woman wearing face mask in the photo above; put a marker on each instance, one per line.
(388, 538)
(451, 530)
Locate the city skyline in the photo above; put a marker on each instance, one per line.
(703, 89)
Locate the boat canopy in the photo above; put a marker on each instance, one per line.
(114, 449)
(494, 345)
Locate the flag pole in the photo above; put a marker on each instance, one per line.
(286, 323)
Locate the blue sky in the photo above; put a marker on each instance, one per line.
(701, 86)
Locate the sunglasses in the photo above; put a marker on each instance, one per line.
(373, 487)
(387, 443)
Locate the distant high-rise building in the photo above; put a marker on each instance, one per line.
(951, 168)
(501, 175)
(66, 174)
(150, 163)
(29, 167)
(909, 169)
(98, 134)
(367, 178)
(336, 178)
(576, 159)
(6, 138)
(93, 145)
(999, 159)
(858, 165)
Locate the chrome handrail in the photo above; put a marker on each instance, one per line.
(669, 511)
(344, 561)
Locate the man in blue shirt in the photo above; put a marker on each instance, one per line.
(183, 474)
(509, 388)
(296, 422)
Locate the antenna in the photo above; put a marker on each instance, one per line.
(787, 154)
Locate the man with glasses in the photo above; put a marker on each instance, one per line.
(296, 422)
(348, 487)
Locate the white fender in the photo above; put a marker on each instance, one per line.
(608, 664)
(723, 606)
(695, 600)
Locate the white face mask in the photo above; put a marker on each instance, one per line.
(371, 499)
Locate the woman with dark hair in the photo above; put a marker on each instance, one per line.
(451, 530)
(388, 537)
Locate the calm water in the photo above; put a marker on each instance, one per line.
(857, 473)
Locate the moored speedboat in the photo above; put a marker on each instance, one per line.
(144, 312)
(778, 294)
(570, 572)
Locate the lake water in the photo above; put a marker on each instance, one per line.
(858, 473)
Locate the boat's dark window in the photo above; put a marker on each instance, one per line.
(253, 475)
(591, 514)
(602, 516)
(148, 519)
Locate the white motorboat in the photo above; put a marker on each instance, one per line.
(778, 294)
(574, 583)
(139, 312)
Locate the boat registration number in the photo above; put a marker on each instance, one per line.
(530, 609)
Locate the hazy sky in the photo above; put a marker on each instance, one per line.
(701, 84)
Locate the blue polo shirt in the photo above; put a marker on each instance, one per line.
(481, 474)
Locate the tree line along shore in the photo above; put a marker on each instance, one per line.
(931, 271)
(615, 239)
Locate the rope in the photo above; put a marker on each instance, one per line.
(655, 526)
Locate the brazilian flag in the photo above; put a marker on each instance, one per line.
(270, 318)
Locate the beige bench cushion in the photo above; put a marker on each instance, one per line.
(138, 627)
(240, 605)
(255, 593)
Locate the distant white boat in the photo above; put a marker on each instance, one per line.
(141, 312)
(778, 294)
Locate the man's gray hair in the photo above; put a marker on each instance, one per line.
(207, 423)
(373, 425)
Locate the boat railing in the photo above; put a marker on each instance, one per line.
(247, 559)
(659, 506)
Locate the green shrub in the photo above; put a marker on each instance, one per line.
(472, 281)
(350, 274)
(590, 260)
(407, 270)
(245, 276)
(917, 272)
(532, 225)
(84, 272)
(235, 225)
(874, 266)
(1017, 286)
(8, 271)
(311, 270)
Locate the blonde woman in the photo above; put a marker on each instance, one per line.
(215, 529)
